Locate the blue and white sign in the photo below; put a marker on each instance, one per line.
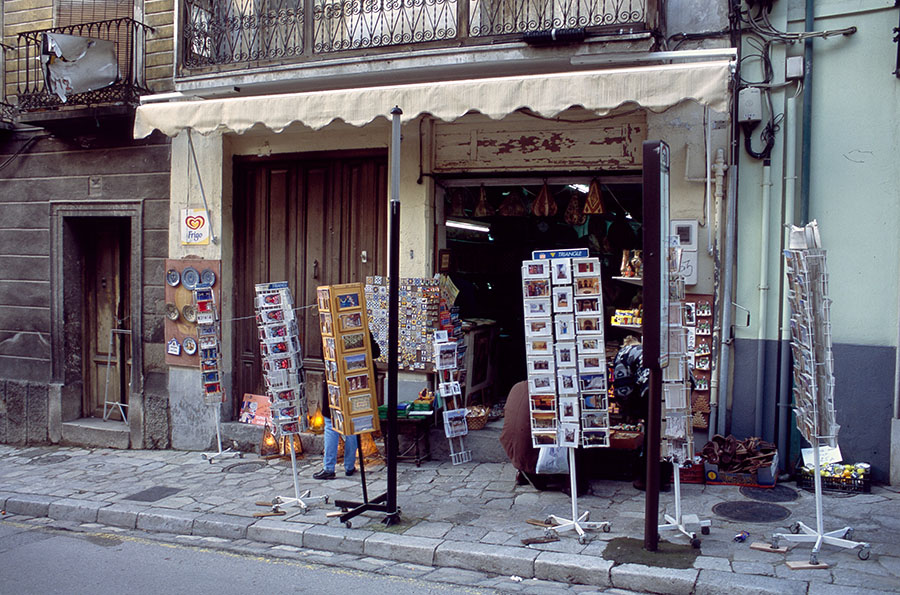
(573, 253)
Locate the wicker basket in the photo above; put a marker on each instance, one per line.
(477, 417)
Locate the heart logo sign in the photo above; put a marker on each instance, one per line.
(195, 222)
(194, 227)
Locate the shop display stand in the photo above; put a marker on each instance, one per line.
(208, 336)
(106, 402)
(446, 369)
(813, 380)
(579, 522)
(280, 350)
(682, 522)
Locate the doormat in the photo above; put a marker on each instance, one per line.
(780, 493)
(628, 550)
(248, 467)
(751, 512)
(153, 494)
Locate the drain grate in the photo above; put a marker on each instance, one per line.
(50, 459)
(751, 512)
(246, 467)
(779, 493)
(153, 494)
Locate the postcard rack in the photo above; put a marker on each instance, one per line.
(279, 346)
(566, 359)
(813, 390)
(446, 370)
(208, 338)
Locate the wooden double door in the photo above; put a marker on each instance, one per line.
(310, 220)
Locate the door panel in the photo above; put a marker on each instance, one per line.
(305, 220)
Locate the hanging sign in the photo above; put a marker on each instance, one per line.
(194, 227)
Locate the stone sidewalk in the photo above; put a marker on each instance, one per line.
(468, 518)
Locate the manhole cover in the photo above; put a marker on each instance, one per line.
(50, 459)
(779, 493)
(153, 494)
(248, 467)
(751, 512)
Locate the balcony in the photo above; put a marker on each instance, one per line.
(237, 36)
(122, 39)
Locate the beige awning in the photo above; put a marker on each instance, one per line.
(655, 88)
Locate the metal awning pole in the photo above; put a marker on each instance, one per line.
(393, 316)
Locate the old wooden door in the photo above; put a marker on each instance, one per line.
(107, 356)
(310, 220)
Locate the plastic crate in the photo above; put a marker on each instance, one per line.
(836, 484)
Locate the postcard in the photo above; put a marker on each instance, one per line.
(350, 321)
(543, 421)
(596, 401)
(582, 267)
(455, 423)
(535, 269)
(591, 363)
(444, 356)
(536, 288)
(587, 286)
(569, 435)
(589, 324)
(590, 344)
(562, 298)
(593, 382)
(537, 307)
(363, 423)
(538, 327)
(543, 402)
(358, 382)
(541, 383)
(323, 299)
(353, 341)
(568, 409)
(348, 301)
(561, 271)
(565, 355)
(540, 365)
(588, 305)
(356, 361)
(594, 438)
(544, 438)
(537, 346)
(567, 381)
(565, 327)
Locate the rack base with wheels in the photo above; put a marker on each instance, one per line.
(224, 454)
(684, 522)
(802, 533)
(299, 499)
(579, 522)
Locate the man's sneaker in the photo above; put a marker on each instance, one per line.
(349, 472)
(324, 474)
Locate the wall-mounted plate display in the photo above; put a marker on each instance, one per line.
(189, 312)
(207, 277)
(189, 345)
(173, 278)
(190, 277)
(172, 312)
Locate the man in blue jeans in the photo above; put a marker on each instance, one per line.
(331, 447)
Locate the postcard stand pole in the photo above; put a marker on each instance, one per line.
(299, 499)
(578, 522)
(681, 522)
(227, 453)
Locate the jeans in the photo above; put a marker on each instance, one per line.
(331, 448)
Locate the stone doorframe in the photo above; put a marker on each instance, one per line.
(66, 384)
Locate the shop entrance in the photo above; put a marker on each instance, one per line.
(492, 225)
(309, 220)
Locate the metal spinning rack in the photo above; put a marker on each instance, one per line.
(813, 380)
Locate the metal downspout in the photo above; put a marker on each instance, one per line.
(763, 299)
(806, 144)
(727, 299)
(719, 169)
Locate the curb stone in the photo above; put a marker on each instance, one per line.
(118, 515)
(497, 559)
(164, 520)
(336, 539)
(69, 509)
(572, 568)
(653, 579)
(228, 526)
(714, 582)
(277, 532)
(28, 505)
(402, 548)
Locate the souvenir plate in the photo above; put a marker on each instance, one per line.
(190, 277)
(190, 313)
(173, 278)
(207, 277)
(189, 345)
(172, 312)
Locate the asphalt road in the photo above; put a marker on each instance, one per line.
(45, 561)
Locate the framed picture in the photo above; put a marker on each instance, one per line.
(568, 409)
(331, 372)
(561, 271)
(350, 321)
(596, 401)
(590, 344)
(348, 301)
(543, 421)
(540, 364)
(538, 346)
(569, 435)
(584, 267)
(440, 337)
(334, 395)
(690, 314)
(444, 261)
(541, 383)
(354, 362)
(565, 355)
(337, 421)
(589, 324)
(587, 286)
(543, 402)
(323, 299)
(565, 327)
(455, 423)
(588, 305)
(357, 383)
(444, 356)
(536, 269)
(363, 423)
(537, 307)
(328, 351)
(592, 382)
(353, 341)
(566, 381)
(592, 362)
(562, 298)
(536, 288)
(538, 327)
(325, 324)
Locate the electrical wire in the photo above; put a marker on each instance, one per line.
(21, 150)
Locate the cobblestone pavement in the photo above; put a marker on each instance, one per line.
(463, 524)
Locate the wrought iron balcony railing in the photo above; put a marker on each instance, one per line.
(230, 33)
(128, 38)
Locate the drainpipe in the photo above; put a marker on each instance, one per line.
(806, 145)
(727, 295)
(763, 298)
(784, 378)
(718, 169)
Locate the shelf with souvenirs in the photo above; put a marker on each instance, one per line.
(697, 320)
